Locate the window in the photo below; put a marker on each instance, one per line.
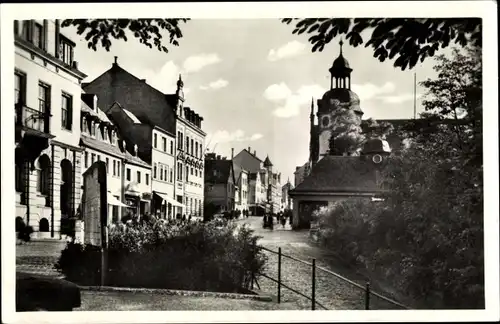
(147, 179)
(107, 165)
(25, 29)
(43, 175)
(192, 171)
(187, 144)
(43, 97)
(164, 144)
(166, 173)
(104, 134)
(154, 171)
(66, 51)
(93, 158)
(196, 149)
(196, 172)
(114, 168)
(118, 168)
(98, 158)
(66, 111)
(171, 175)
(171, 147)
(161, 171)
(192, 149)
(38, 36)
(86, 159)
(179, 171)
(178, 140)
(201, 151)
(155, 140)
(19, 88)
(138, 176)
(128, 174)
(187, 173)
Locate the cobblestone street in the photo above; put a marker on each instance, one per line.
(39, 257)
(331, 292)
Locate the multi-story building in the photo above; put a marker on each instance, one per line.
(47, 98)
(242, 193)
(257, 195)
(219, 183)
(286, 200)
(147, 119)
(190, 157)
(128, 177)
(269, 180)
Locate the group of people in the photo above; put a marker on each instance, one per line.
(281, 218)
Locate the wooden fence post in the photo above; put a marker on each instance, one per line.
(367, 296)
(279, 275)
(313, 287)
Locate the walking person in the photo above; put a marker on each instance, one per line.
(283, 221)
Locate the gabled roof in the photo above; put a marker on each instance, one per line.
(341, 174)
(218, 171)
(131, 116)
(147, 99)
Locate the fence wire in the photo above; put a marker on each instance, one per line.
(331, 290)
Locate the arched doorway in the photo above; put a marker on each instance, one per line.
(66, 188)
(43, 178)
(44, 225)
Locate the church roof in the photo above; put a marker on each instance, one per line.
(342, 174)
(339, 97)
(340, 63)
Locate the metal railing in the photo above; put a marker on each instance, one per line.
(312, 298)
(32, 118)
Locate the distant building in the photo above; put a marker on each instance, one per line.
(47, 134)
(270, 182)
(219, 183)
(286, 200)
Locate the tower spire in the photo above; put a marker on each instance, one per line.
(341, 43)
(312, 107)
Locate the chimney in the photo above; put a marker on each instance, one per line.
(116, 60)
(136, 149)
(94, 106)
(218, 157)
(249, 150)
(74, 65)
(232, 153)
(254, 153)
(143, 80)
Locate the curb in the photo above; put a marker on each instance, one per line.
(174, 292)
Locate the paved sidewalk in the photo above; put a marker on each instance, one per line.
(39, 257)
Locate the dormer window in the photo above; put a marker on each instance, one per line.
(38, 35)
(66, 50)
(104, 133)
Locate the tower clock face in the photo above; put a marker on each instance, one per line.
(325, 121)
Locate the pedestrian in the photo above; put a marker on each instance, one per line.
(184, 217)
(189, 218)
(283, 221)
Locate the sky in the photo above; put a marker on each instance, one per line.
(252, 80)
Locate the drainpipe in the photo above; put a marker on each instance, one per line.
(52, 195)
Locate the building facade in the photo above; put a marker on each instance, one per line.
(286, 200)
(190, 156)
(243, 187)
(270, 182)
(220, 189)
(47, 94)
(147, 118)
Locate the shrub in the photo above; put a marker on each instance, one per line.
(24, 232)
(210, 256)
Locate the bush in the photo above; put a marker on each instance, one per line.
(426, 257)
(210, 256)
(24, 232)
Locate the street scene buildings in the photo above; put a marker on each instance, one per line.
(168, 154)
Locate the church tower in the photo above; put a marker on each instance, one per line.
(180, 97)
(335, 102)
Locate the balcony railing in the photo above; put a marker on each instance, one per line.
(32, 118)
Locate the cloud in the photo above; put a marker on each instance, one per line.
(276, 92)
(290, 49)
(291, 102)
(398, 98)
(223, 136)
(164, 80)
(369, 91)
(256, 136)
(221, 83)
(197, 62)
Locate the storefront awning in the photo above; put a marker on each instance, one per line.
(115, 202)
(169, 200)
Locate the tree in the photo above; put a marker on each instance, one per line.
(374, 129)
(347, 134)
(407, 40)
(148, 31)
